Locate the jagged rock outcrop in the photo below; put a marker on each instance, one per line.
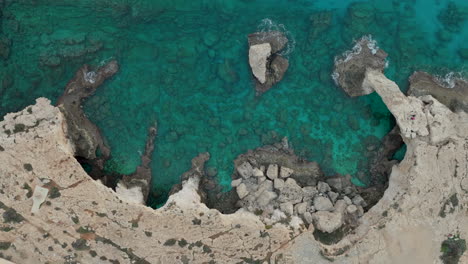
(136, 187)
(351, 66)
(85, 136)
(451, 91)
(267, 64)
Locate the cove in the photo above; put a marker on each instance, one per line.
(184, 65)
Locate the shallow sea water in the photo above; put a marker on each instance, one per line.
(184, 64)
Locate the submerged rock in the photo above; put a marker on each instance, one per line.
(351, 66)
(265, 60)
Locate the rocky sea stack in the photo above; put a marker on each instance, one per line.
(265, 59)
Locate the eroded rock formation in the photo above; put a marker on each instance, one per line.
(85, 136)
(136, 186)
(267, 64)
(351, 66)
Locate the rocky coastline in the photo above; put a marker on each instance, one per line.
(54, 212)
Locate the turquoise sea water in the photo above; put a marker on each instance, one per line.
(184, 65)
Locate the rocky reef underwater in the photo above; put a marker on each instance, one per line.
(302, 148)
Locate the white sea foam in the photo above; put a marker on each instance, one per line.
(449, 80)
(90, 77)
(268, 25)
(349, 54)
(335, 75)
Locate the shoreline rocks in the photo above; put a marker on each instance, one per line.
(265, 59)
(271, 182)
(450, 91)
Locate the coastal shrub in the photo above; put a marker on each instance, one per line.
(452, 249)
(11, 216)
(170, 242)
(19, 128)
(54, 193)
(27, 167)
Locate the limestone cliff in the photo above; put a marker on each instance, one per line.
(52, 211)
(80, 220)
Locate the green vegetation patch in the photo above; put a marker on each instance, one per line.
(54, 193)
(80, 244)
(452, 249)
(27, 167)
(5, 245)
(19, 128)
(11, 216)
(27, 187)
(170, 242)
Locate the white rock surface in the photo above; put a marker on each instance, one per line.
(39, 196)
(131, 195)
(286, 172)
(242, 190)
(258, 172)
(236, 182)
(258, 56)
(272, 171)
(322, 203)
(327, 221)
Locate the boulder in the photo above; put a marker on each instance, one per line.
(291, 192)
(236, 183)
(286, 172)
(333, 196)
(322, 203)
(308, 217)
(245, 170)
(301, 208)
(272, 171)
(266, 197)
(287, 208)
(347, 200)
(309, 193)
(265, 186)
(242, 191)
(258, 57)
(358, 200)
(261, 179)
(327, 221)
(278, 184)
(350, 68)
(258, 172)
(323, 187)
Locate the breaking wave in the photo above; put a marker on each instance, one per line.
(268, 25)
